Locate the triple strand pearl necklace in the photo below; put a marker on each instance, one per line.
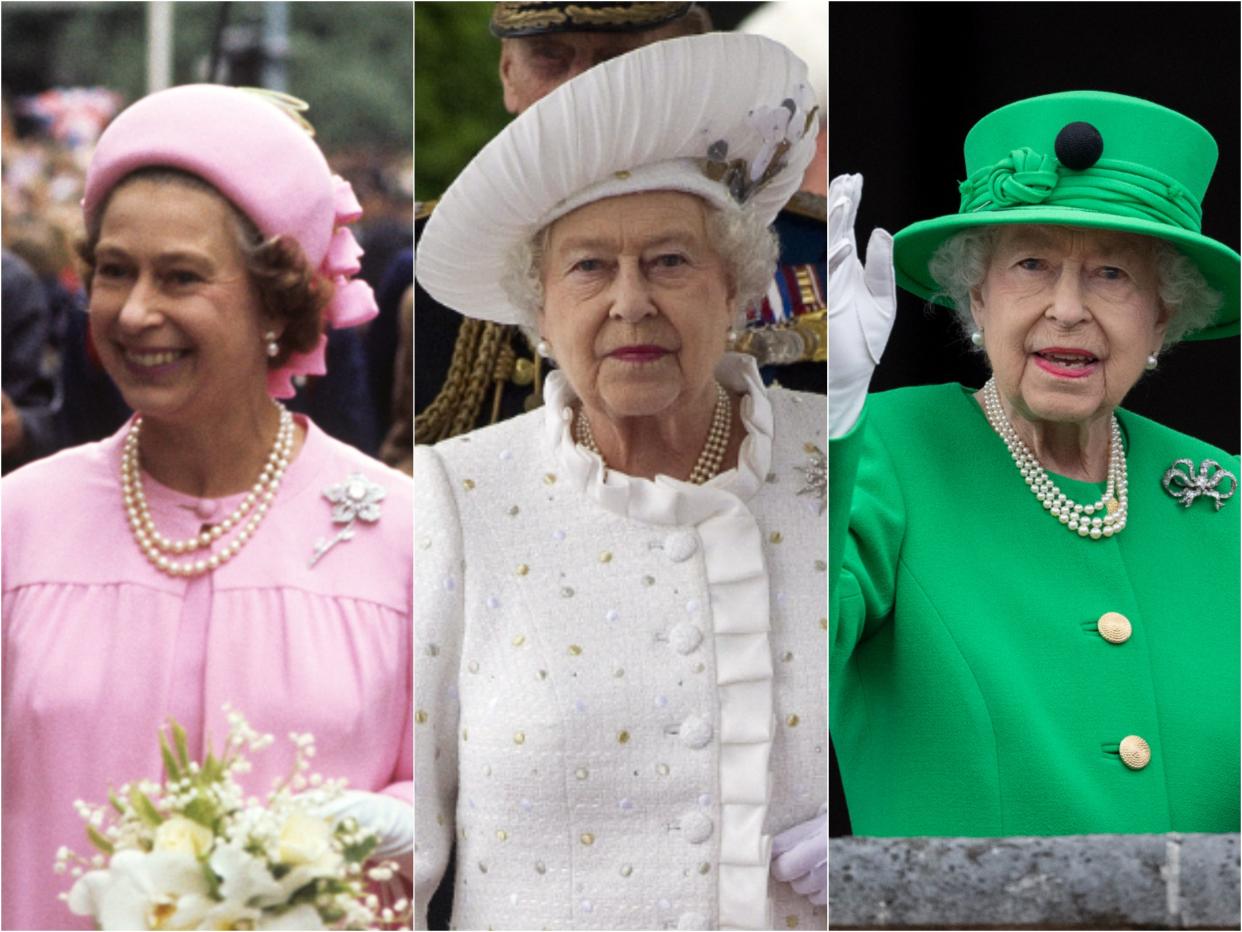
(708, 463)
(156, 547)
(1103, 518)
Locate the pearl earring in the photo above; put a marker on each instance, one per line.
(1152, 361)
(544, 349)
(273, 348)
(731, 337)
(976, 337)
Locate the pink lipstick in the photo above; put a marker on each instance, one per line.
(1066, 362)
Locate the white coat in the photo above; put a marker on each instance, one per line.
(620, 684)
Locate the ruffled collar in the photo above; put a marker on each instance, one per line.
(666, 500)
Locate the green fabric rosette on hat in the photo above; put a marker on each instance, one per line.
(1085, 159)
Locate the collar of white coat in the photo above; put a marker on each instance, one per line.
(666, 500)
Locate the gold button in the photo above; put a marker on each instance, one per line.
(1135, 752)
(1114, 627)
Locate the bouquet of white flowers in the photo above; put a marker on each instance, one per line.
(193, 853)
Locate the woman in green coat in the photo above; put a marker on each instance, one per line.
(1034, 593)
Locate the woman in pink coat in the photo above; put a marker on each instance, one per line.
(216, 549)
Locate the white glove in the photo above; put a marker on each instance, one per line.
(861, 305)
(800, 858)
(388, 817)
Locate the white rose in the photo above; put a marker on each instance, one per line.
(184, 836)
(303, 839)
(157, 890)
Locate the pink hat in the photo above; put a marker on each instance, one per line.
(258, 157)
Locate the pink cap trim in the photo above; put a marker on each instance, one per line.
(344, 201)
(343, 254)
(352, 304)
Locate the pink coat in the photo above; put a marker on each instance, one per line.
(100, 649)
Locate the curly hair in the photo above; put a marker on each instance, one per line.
(960, 265)
(291, 291)
(747, 249)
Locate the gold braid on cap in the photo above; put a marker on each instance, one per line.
(622, 13)
(517, 19)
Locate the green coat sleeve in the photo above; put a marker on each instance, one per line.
(867, 517)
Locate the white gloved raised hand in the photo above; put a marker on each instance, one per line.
(800, 858)
(388, 817)
(861, 305)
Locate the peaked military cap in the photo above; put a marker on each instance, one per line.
(512, 20)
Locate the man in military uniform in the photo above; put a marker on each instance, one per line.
(492, 372)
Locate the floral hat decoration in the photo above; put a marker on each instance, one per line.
(728, 117)
(254, 147)
(1085, 159)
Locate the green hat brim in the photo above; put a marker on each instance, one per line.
(913, 248)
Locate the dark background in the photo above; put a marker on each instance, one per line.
(908, 80)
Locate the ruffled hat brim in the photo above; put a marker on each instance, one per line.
(672, 101)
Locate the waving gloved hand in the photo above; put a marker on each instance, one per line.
(862, 303)
(800, 858)
(390, 818)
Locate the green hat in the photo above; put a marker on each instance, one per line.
(1085, 159)
(513, 20)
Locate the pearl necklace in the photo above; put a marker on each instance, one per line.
(1103, 518)
(708, 463)
(155, 546)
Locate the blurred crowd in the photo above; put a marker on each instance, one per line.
(56, 394)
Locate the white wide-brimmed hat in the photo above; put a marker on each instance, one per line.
(730, 118)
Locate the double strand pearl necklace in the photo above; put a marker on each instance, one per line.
(708, 463)
(156, 547)
(1103, 518)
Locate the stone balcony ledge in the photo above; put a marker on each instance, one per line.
(1175, 881)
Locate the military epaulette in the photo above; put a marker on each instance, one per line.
(423, 209)
(806, 204)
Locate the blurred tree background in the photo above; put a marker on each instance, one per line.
(457, 96)
(351, 61)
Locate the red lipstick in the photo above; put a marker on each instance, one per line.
(641, 353)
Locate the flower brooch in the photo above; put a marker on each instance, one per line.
(355, 499)
(814, 474)
(1185, 485)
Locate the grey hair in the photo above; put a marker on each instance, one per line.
(960, 265)
(747, 248)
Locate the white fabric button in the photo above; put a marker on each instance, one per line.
(206, 509)
(692, 921)
(695, 732)
(696, 827)
(685, 637)
(681, 545)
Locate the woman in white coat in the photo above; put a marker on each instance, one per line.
(620, 602)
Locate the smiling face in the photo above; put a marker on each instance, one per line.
(175, 316)
(637, 304)
(1069, 317)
